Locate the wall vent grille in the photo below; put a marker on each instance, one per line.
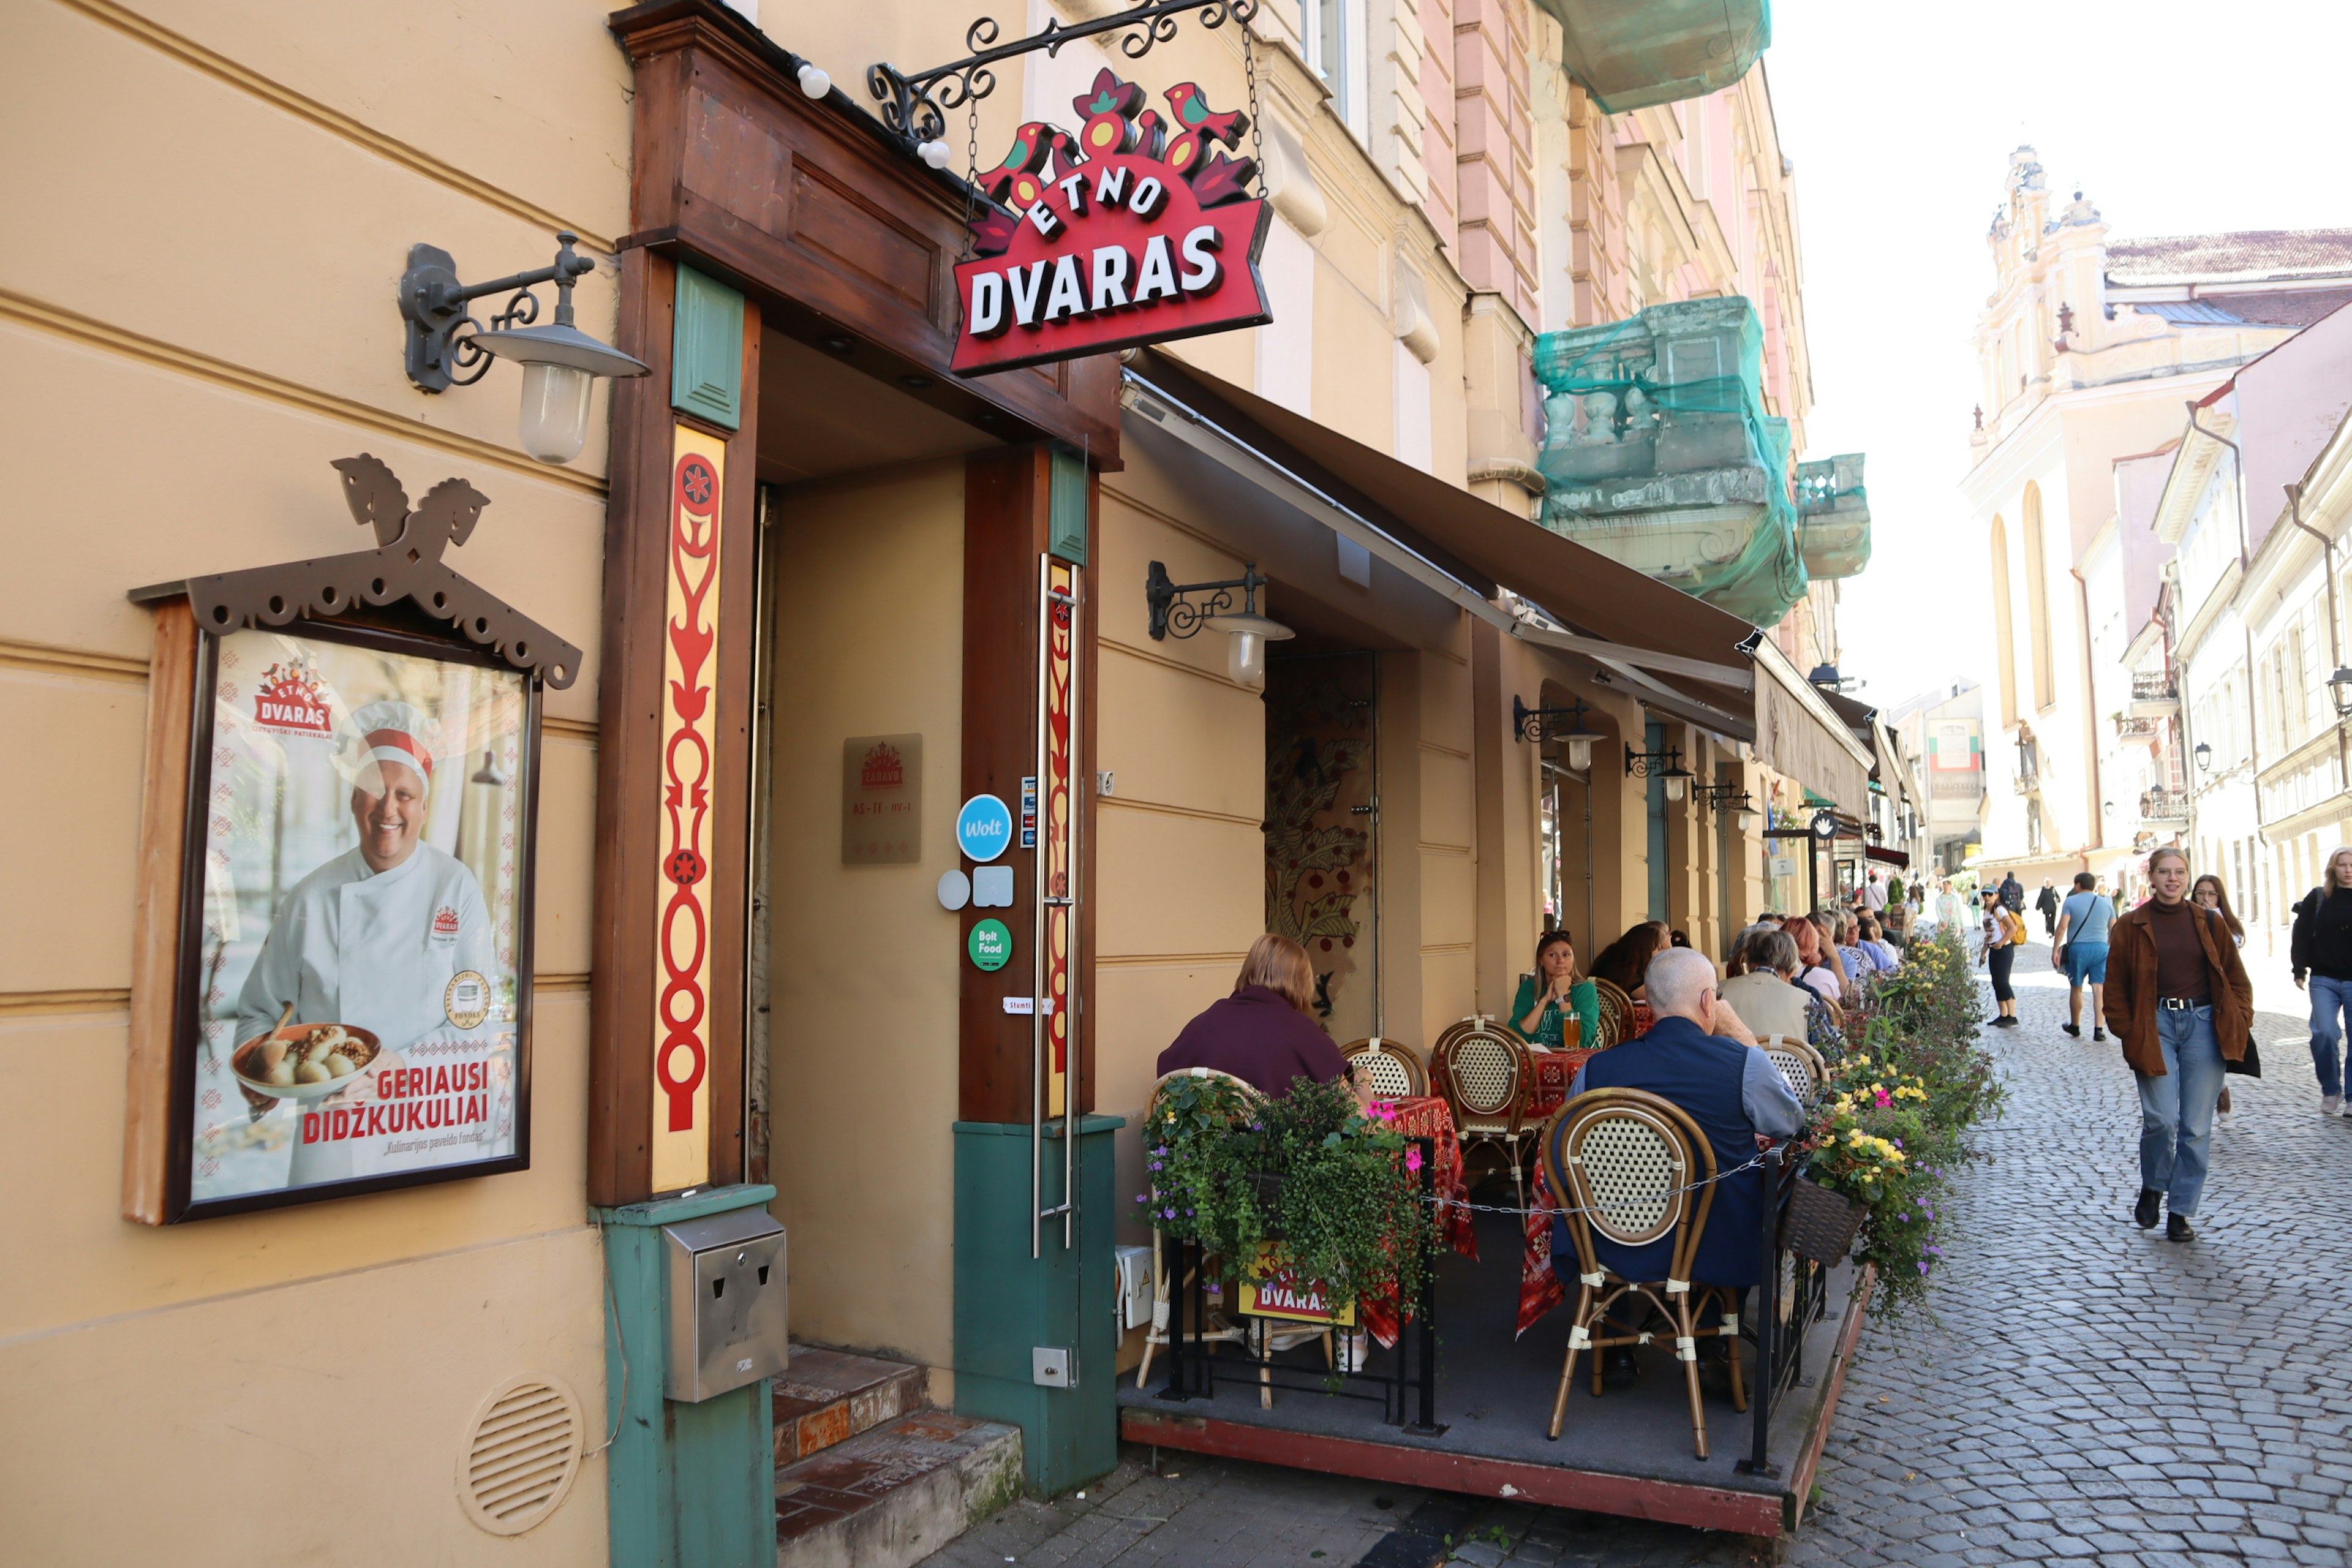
(520, 1455)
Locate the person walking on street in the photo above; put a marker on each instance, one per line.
(2079, 946)
(1949, 915)
(2004, 933)
(2206, 893)
(2046, 904)
(2013, 891)
(2321, 949)
(2178, 999)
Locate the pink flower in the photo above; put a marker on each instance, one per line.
(1412, 1158)
(1384, 1111)
(1885, 1099)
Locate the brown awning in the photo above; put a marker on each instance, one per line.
(1578, 587)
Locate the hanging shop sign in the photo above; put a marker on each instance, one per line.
(352, 1008)
(1135, 230)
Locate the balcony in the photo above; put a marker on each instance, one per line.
(1632, 55)
(1659, 455)
(2160, 804)
(1833, 516)
(2154, 697)
(2135, 730)
(2026, 784)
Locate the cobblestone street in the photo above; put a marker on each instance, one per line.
(2090, 1394)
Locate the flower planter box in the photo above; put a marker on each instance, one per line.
(1819, 1223)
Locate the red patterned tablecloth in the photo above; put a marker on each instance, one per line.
(1539, 1287)
(1427, 1116)
(1548, 1090)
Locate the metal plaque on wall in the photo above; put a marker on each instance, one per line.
(881, 800)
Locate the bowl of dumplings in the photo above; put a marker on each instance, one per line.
(304, 1061)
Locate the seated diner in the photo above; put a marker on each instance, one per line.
(1261, 1034)
(1625, 961)
(1554, 994)
(1701, 1056)
(1766, 995)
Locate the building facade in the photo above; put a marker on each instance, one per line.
(805, 553)
(2087, 348)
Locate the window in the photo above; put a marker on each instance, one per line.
(2001, 633)
(2037, 602)
(1333, 30)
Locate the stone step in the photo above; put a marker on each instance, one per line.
(891, 1497)
(828, 1397)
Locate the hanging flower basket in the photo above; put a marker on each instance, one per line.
(1819, 1223)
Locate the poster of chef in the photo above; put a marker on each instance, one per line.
(365, 916)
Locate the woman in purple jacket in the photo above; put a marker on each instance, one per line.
(1261, 1034)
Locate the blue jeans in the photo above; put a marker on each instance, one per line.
(2329, 999)
(2176, 1111)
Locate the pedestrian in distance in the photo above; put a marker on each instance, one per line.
(2045, 903)
(2004, 933)
(2013, 892)
(2178, 999)
(2079, 946)
(2206, 893)
(2321, 952)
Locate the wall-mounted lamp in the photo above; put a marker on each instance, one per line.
(446, 347)
(2204, 755)
(1172, 613)
(1730, 800)
(1666, 764)
(2339, 687)
(1534, 724)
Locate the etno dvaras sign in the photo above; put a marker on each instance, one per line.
(1135, 230)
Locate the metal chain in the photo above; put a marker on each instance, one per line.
(1249, 70)
(1672, 1191)
(971, 181)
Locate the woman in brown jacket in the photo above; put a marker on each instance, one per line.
(2179, 1001)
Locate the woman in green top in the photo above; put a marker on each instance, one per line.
(1541, 1014)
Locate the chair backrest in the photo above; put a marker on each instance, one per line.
(1392, 1068)
(1616, 1014)
(1799, 1063)
(1482, 1070)
(1633, 1168)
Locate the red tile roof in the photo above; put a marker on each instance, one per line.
(2247, 254)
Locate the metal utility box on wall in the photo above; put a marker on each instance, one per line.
(729, 1322)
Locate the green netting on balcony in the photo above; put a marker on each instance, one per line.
(1658, 452)
(1629, 54)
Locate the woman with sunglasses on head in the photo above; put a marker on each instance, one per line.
(1554, 994)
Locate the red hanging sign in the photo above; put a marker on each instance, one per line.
(1135, 231)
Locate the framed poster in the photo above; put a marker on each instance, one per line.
(353, 1010)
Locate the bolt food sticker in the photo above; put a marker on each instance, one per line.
(1135, 230)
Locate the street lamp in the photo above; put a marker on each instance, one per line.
(1534, 724)
(1666, 764)
(2204, 755)
(446, 347)
(1172, 612)
(2339, 687)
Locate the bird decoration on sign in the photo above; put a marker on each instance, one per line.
(406, 565)
(1124, 233)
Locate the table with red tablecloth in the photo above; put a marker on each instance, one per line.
(1551, 1074)
(1427, 1116)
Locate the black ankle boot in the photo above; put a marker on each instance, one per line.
(2177, 1228)
(2143, 1215)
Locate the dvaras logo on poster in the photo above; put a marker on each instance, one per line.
(292, 701)
(883, 769)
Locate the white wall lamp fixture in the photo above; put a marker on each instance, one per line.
(1666, 764)
(1536, 724)
(1175, 614)
(446, 347)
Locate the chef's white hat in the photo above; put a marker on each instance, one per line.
(396, 733)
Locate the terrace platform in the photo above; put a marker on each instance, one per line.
(1628, 1452)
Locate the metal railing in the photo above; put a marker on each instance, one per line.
(2155, 688)
(1793, 1296)
(2027, 783)
(2160, 804)
(2129, 728)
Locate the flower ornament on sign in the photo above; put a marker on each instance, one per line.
(1138, 229)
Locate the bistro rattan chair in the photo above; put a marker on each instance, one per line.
(1481, 1067)
(1157, 1334)
(1616, 1014)
(1390, 1066)
(1633, 1168)
(1799, 1063)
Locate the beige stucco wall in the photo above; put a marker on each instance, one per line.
(211, 207)
(863, 970)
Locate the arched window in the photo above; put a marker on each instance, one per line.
(2037, 602)
(2001, 634)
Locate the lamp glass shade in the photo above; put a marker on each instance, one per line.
(555, 411)
(1580, 752)
(1674, 786)
(1245, 648)
(2339, 687)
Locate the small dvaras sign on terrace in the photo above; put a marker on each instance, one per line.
(1136, 230)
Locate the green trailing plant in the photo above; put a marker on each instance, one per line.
(1888, 1127)
(1306, 1182)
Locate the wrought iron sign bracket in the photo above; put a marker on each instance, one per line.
(1665, 764)
(1535, 724)
(434, 302)
(1171, 612)
(915, 103)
